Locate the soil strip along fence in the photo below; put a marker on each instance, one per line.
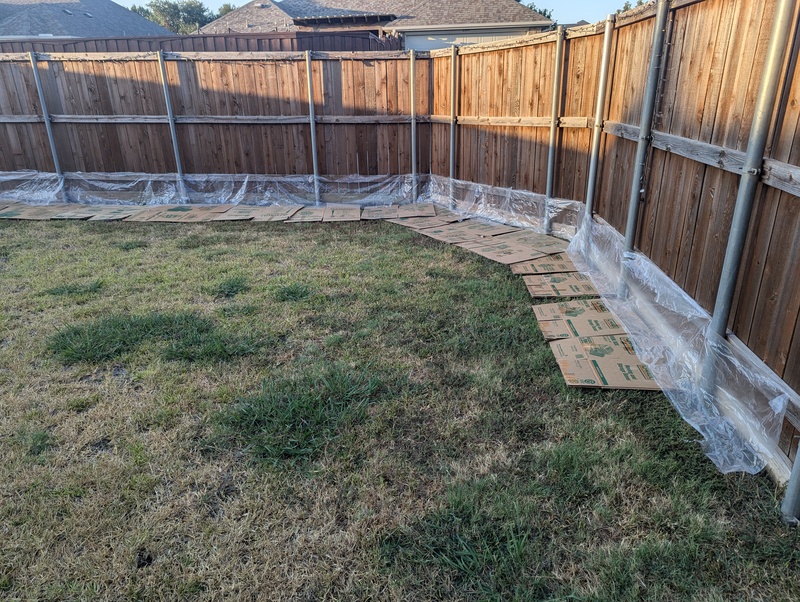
(483, 114)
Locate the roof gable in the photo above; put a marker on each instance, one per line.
(73, 18)
(287, 15)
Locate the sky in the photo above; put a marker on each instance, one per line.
(572, 11)
(564, 11)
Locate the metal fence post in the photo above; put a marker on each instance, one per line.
(646, 124)
(558, 70)
(48, 124)
(602, 90)
(170, 114)
(312, 121)
(453, 121)
(413, 85)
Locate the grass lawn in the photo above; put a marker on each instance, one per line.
(339, 412)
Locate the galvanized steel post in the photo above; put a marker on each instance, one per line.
(453, 120)
(602, 90)
(558, 69)
(748, 184)
(646, 124)
(48, 124)
(312, 122)
(170, 115)
(413, 85)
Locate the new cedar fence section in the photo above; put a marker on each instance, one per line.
(249, 113)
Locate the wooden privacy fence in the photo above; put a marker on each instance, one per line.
(485, 114)
(336, 41)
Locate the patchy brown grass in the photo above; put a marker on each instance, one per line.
(474, 474)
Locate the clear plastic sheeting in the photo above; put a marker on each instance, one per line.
(32, 187)
(514, 207)
(166, 189)
(718, 386)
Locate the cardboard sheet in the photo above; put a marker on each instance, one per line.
(590, 318)
(570, 284)
(541, 242)
(384, 212)
(78, 212)
(549, 311)
(276, 213)
(607, 362)
(307, 214)
(146, 214)
(112, 214)
(237, 213)
(418, 223)
(550, 264)
(451, 233)
(416, 210)
(554, 330)
(501, 251)
(32, 212)
(342, 214)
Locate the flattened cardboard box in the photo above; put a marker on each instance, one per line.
(307, 214)
(486, 229)
(145, 214)
(554, 330)
(570, 284)
(278, 213)
(452, 233)
(541, 242)
(501, 251)
(416, 210)
(590, 318)
(237, 213)
(33, 212)
(383, 212)
(550, 264)
(112, 214)
(614, 360)
(342, 214)
(576, 307)
(418, 223)
(190, 213)
(586, 317)
(606, 362)
(77, 212)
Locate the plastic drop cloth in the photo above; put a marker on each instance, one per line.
(718, 386)
(738, 412)
(164, 189)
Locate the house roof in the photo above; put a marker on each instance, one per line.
(289, 15)
(73, 18)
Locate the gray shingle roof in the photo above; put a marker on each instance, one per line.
(268, 15)
(73, 18)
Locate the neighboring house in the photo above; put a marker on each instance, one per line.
(72, 19)
(425, 25)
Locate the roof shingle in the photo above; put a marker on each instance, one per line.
(73, 18)
(267, 15)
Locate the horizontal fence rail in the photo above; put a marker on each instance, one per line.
(480, 113)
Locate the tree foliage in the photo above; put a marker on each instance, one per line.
(180, 16)
(226, 8)
(628, 6)
(547, 13)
